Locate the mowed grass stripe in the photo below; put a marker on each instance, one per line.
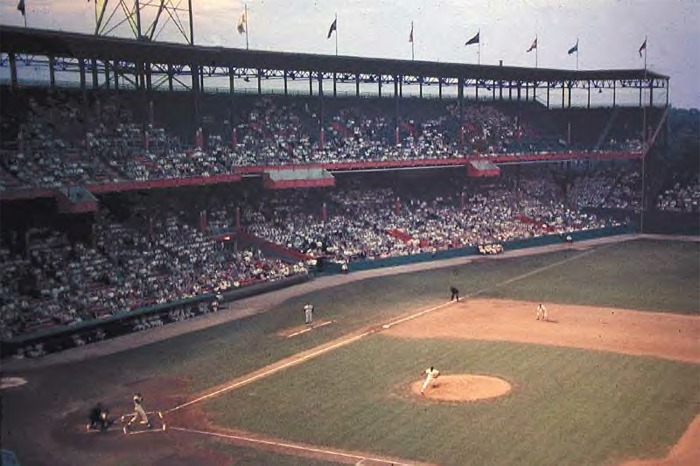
(569, 406)
(642, 274)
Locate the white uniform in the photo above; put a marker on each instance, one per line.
(431, 375)
(309, 313)
(139, 412)
(541, 312)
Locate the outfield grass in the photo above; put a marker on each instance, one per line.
(569, 406)
(650, 275)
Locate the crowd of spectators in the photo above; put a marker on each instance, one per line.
(62, 282)
(681, 196)
(373, 223)
(65, 138)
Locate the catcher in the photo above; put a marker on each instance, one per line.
(431, 376)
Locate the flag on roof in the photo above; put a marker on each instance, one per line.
(20, 7)
(574, 48)
(334, 27)
(410, 36)
(473, 40)
(242, 23)
(643, 47)
(533, 46)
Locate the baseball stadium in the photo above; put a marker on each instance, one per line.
(227, 256)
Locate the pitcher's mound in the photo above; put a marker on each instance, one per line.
(463, 388)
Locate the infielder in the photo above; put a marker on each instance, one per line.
(431, 375)
(309, 314)
(541, 312)
(139, 411)
(455, 293)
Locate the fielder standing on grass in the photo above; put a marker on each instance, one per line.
(309, 313)
(455, 293)
(431, 376)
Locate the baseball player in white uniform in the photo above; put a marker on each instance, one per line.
(309, 314)
(541, 312)
(431, 375)
(138, 412)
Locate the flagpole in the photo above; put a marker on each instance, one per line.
(536, 50)
(646, 46)
(412, 40)
(247, 26)
(577, 53)
(336, 34)
(478, 51)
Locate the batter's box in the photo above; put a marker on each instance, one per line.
(156, 424)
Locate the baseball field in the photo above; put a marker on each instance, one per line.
(612, 377)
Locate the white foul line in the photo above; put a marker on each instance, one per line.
(308, 329)
(289, 445)
(368, 332)
(271, 371)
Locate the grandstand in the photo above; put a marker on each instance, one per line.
(134, 194)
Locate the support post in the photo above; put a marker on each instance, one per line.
(284, 78)
(357, 85)
(52, 72)
(13, 69)
(170, 77)
(230, 79)
(81, 64)
(95, 83)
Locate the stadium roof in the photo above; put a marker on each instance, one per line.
(75, 45)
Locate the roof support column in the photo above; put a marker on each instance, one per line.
(95, 83)
(107, 77)
(284, 78)
(420, 87)
(460, 97)
(493, 88)
(357, 85)
(510, 90)
(311, 83)
(116, 75)
(81, 64)
(13, 69)
(52, 72)
(148, 77)
(641, 86)
(520, 85)
(589, 94)
(170, 77)
(194, 71)
(440, 88)
(260, 81)
(548, 88)
(500, 90)
(230, 79)
(379, 79)
(563, 95)
(335, 85)
(570, 94)
(614, 89)
(651, 93)
(476, 89)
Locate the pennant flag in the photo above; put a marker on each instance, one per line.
(410, 36)
(334, 27)
(533, 46)
(242, 23)
(473, 40)
(574, 48)
(643, 47)
(20, 7)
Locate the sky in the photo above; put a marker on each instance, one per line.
(609, 32)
